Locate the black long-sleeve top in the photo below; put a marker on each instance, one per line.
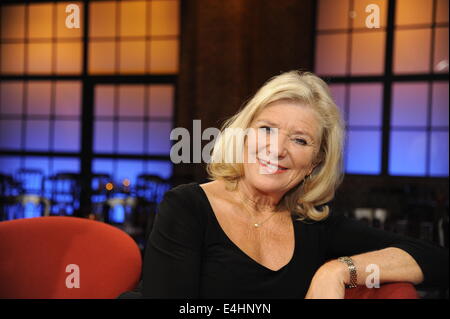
(188, 255)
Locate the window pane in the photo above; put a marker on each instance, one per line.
(12, 58)
(331, 51)
(68, 57)
(39, 163)
(361, 15)
(40, 19)
(164, 18)
(39, 58)
(162, 169)
(67, 136)
(37, 137)
(163, 56)
(363, 152)
(128, 169)
(102, 57)
(161, 100)
(412, 51)
(131, 137)
(12, 22)
(131, 100)
(38, 102)
(439, 115)
(102, 20)
(368, 53)
(68, 98)
(9, 164)
(10, 134)
(407, 153)
(366, 104)
(132, 18)
(441, 50)
(442, 11)
(132, 56)
(439, 154)
(11, 95)
(65, 165)
(104, 100)
(159, 137)
(409, 104)
(414, 12)
(62, 31)
(333, 14)
(103, 136)
(338, 94)
(103, 166)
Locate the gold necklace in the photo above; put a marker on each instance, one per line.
(256, 225)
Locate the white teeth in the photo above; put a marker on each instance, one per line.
(271, 166)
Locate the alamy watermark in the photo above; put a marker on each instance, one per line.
(73, 279)
(373, 279)
(373, 19)
(73, 17)
(262, 146)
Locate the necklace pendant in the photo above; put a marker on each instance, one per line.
(256, 225)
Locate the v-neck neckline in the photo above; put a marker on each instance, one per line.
(228, 239)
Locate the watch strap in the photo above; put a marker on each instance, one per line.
(352, 270)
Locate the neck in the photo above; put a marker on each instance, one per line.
(257, 200)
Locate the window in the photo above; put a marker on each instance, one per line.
(133, 37)
(94, 99)
(391, 83)
(133, 119)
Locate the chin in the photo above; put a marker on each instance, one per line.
(268, 183)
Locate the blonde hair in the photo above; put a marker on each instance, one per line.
(319, 188)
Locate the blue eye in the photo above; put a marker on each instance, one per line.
(300, 141)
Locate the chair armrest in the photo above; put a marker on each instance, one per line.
(398, 290)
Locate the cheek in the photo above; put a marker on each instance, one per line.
(250, 169)
(303, 159)
(255, 146)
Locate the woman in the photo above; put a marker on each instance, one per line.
(262, 229)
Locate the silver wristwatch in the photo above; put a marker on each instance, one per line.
(352, 269)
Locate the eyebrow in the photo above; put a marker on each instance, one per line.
(295, 132)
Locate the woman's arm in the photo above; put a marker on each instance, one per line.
(391, 264)
(397, 258)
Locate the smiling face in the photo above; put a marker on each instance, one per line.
(297, 131)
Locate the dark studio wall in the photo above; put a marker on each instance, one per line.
(228, 50)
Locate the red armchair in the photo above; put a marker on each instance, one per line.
(401, 290)
(47, 257)
(36, 252)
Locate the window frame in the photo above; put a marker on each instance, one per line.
(86, 154)
(387, 79)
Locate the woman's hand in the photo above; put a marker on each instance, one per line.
(328, 282)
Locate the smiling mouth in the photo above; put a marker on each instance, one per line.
(272, 167)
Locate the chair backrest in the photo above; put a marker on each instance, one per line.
(398, 290)
(47, 257)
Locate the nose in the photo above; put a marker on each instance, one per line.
(278, 146)
(282, 146)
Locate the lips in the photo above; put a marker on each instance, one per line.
(271, 166)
